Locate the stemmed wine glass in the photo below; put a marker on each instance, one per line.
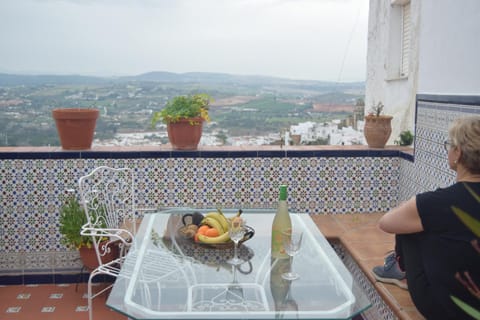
(236, 232)
(234, 294)
(292, 240)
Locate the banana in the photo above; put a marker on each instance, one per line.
(214, 224)
(213, 240)
(230, 219)
(220, 218)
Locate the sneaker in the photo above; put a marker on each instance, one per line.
(390, 272)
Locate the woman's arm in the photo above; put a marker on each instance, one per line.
(402, 219)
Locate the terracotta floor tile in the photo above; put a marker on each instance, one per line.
(353, 221)
(414, 314)
(65, 306)
(368, 234)
(371, 251)
(328, 225)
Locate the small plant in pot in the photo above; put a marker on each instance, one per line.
(378, 127)
(184, 116)
(406, 138)
(72, 218)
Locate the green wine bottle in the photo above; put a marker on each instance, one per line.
(281, 222)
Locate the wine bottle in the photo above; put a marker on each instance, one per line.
(281, 222)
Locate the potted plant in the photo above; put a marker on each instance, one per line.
(72, 218)
(406, 138)
(75, 127)
(378, 127)
(184, 116)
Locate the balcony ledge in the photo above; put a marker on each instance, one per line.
(165, 151)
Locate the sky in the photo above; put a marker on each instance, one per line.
(295, 39)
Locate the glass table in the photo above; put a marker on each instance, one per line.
(166, 276)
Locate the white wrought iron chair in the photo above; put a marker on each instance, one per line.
(107, 195)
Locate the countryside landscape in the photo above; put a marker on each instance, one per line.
(244, 106)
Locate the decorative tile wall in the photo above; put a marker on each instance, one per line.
(33, 190)
(430, 169)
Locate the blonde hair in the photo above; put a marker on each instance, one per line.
(465, 134)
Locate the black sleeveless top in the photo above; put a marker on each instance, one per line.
(447, 247)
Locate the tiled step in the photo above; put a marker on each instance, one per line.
(368, 246)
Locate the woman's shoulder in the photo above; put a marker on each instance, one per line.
(458, 187)
(455, 193)
(435, 207)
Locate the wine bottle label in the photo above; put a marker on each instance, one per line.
(278, 251)
(281, 222)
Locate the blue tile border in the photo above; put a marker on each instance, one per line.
(11, 280)
(450, 99)
(406, 156)
(52, 278)
(199, 154)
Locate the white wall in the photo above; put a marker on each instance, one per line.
(449, 61)
(444, 57)
(396, 93)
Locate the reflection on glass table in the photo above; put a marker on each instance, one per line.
(167, 276)
(292, 241)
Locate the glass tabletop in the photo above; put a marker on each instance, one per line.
(169, 276)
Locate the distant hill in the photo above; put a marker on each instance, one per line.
(170, 77)
(208, 77)
(17, 80)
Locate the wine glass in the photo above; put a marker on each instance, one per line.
(236, 232)
(292, 240)
(234, 294)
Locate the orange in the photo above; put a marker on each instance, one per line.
(212, 232)
(203, 229)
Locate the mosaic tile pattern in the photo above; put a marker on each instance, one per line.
(430, 169)
(34, 190)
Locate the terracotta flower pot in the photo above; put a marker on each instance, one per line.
(75, 127)
(377, 130)
(89, 256)
(185, 134)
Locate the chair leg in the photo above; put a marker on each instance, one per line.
(90, 297)
(80, 278)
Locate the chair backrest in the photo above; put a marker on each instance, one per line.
(107, 195)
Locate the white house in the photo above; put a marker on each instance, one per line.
(420, 47)
(312, 131)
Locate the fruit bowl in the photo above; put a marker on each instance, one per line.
(191, 220)
(225, 245)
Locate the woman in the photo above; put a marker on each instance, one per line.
(436, 248)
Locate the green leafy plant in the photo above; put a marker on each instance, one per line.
(406, 138)
(465, 279)
(72, 218)
(184, 107)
